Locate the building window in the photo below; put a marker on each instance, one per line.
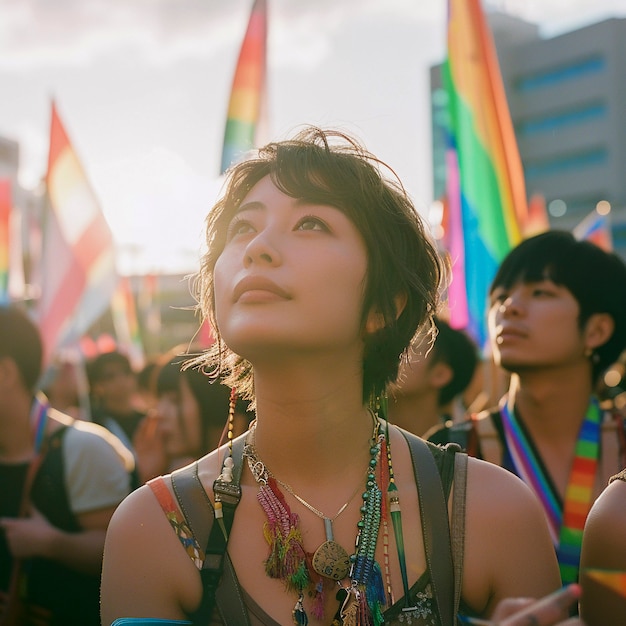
(571, 117)
(551, 77)
(570, 162)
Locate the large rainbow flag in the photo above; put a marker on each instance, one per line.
(5, 229)
(485, 191)
(248, 89)
(78, 275)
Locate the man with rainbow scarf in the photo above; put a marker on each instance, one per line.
(557, 320)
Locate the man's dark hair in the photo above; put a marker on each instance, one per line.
(456, 349)
(596, 279)
(97, 366)
(20, 341)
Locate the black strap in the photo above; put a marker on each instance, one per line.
(435, 525)
(193, 503)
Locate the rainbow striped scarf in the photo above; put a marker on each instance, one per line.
(39, 420)
(565, 522)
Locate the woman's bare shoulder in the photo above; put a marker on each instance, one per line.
(610, 505)
(503, 517)
(494, 487)
(139, 512)
(603, 538)
(139, 541)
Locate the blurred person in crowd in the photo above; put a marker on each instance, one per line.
(146, 385)
(430, 381)
(60, 481)
(188, 419)
(113, 392)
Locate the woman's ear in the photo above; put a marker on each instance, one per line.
(376, 320)
(400, 302)
(598, 330)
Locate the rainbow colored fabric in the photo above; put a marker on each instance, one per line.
(613, 579)
(5, 221)
(78, 274)
(246, 98)
(485, 183)
(596, 228)
(126, 325)
(567, 520)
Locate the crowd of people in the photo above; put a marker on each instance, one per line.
(325, 460)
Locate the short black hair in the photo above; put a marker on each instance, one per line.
(455, 348)
(20, 340)
(97, 365)
(596, 279)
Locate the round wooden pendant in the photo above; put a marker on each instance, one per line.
(331, 561)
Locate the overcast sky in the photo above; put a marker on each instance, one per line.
(143, 86)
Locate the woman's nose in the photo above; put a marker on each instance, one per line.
(262, 249)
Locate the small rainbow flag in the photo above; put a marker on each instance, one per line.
(613, 579)
(125, 322)
(247, 93)
(596, 228)
(485, 181)
(5, 229)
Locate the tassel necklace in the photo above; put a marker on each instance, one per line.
(330, 559)
(362, 600)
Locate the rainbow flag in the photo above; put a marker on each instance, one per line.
(5, 229)
(78, 274)
(485, 181)
(537, 220)
(596, 228)
(124, 314)
(247, 93)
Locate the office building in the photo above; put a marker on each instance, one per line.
(566, 97)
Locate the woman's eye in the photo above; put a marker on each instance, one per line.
(238, 227)
(311, 223)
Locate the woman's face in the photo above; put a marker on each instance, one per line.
(291, 276)
(180, 421)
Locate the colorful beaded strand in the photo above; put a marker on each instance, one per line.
(367, 588)
(396, 518)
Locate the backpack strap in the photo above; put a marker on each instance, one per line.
(457, 527)
(199, 512)
(436, 525)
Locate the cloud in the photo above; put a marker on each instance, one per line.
(74, 32)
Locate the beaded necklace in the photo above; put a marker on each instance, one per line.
(330, 559)
(362, 600)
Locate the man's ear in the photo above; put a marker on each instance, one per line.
(376, 320)
(598, 330)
